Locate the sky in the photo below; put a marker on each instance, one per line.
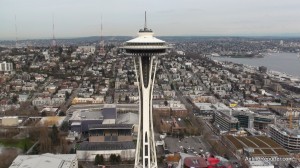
(81, 18)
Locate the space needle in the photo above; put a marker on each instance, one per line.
(145, 49)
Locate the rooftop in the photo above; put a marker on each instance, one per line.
(261, 145)
(110, 126)
(86, 114)
(106, 145)
(260, 163)
(46, 160)
(287, 131)
(128, 118)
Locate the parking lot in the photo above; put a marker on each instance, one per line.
(193, 144)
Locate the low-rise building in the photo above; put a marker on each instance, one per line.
(46, 160)
(110, 132)
(288, 138)
(88, 150)
(81, 119)
(224, 122)
(255, 147)
(10, 121)
(89, 100)
(23, 97)
(260, 164)
(6, 66)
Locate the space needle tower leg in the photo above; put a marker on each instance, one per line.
(145, 141)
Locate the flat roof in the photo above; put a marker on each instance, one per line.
(106, 145)
(260, 163)
(110, 126)
(128, 118)
(46, 160)
(262, 145)
(286, 131)
(86, 115)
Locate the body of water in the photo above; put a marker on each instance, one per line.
(282, 62)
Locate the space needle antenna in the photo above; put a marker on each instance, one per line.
(145, 26)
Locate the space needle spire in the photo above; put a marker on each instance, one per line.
(145, 26)
(145, 49)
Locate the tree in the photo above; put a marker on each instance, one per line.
(44, 140)
(7, 157)
(35, 108)
(127, 99)
(25, 147)
(54, 135)
(112, 158)
(118, 158)
(67, 95)
(101, 160)
(166, 102)
(63, 145)
(97, 159)
(61, 113)
(14, 99)
(72, 151)
(43, 114)
(64, 126)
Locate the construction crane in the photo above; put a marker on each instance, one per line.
(275, 107)
(288, 108)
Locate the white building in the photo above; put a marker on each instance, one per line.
(41, 101)
(87, 49)
(46, 160)
(23, 97)
(260, 164)
(10, 121)
(6, 67)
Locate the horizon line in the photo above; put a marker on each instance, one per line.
(248, 36)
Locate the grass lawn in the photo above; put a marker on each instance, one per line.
(17, 143)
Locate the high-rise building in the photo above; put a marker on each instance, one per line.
(145, 49)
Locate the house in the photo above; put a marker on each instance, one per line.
(23, 97)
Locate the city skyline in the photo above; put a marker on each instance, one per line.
(172, 18)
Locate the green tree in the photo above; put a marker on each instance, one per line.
(112, 158)
(54, 135)
(97, 159)
(61, 113)
(127, 99)
(25, 147)
(101, 160)
(67, 95)
(118, 158)
(166, 103)
(43, 114)
(64, 126)
(14, 99)
(72, 151)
